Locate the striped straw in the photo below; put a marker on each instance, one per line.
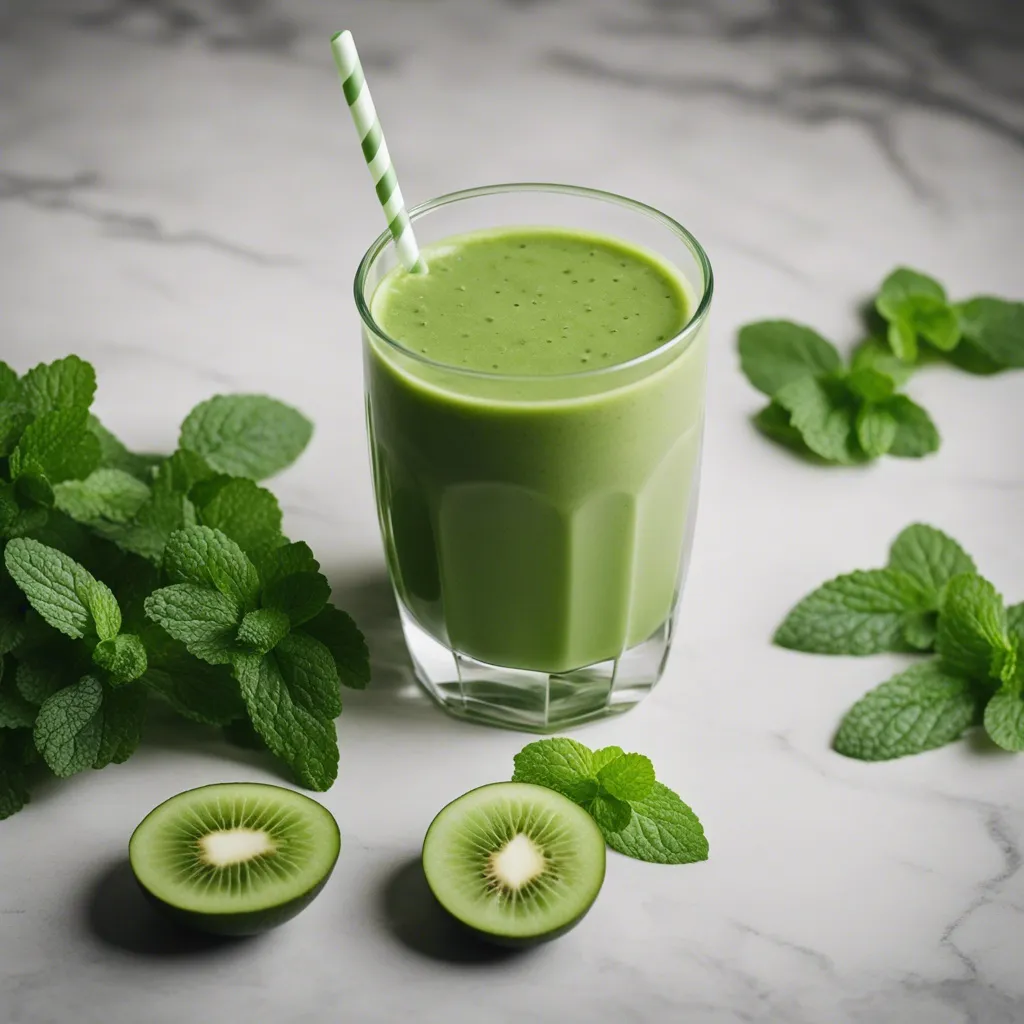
(375, 150)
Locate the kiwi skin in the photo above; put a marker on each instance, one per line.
(242, 923)
(510, 941)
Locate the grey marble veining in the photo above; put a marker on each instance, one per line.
(181, 201)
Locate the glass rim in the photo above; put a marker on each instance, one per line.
(680, 339)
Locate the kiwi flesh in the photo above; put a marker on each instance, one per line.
(235, 858)
(515, 863)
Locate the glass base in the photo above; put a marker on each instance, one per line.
(534, 701)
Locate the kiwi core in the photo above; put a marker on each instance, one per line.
(229, 846)
(517, 863)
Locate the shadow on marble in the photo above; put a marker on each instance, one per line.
(418, 922)
(118, 916)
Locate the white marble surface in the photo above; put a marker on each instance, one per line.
(181, 201)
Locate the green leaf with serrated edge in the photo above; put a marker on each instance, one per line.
(31, 488)
(123, 657)
(8, 382)
(194, 689)
(107, 495)
(204, 620)
(246, 435)
(995, 327)
(339, 633)
(972, 625)
(148, 532)
(124, 714)
(662, 830)
(41, 674)
(309, 670)
(903, 340)
(301, 596)
(15, 711)
(59, 446)
(875, 354)
(104, 609)
(68, 383)
(182, 471)
(605, 756)
(62, 591)
(1004, 720)
(1015, 619)
(916, 434)
(69, 728)
(114, 455)
(920, 709)
(630, 777)
(931, 557)
(14, 793)
(561, 764)
(1006, 665)
(8, 507)
(774, 422)
(245, 512)
(902, 284)
(201, 555)
(823, 414)
(870, 383)
(919, 630)
(610, 813)
(297, 733)
(876, 429)
(14, 418)
(773, 353)
(276, 563)
(859, 613)
(261, 630)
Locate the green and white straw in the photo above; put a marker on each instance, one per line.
(375, 150)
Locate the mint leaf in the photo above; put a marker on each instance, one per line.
(920, 709)
(774, 353)
(204, 620)
(903, 284)
(291, 722)
(58, 446)
(122, 656)
(246, 435)
(69, 728)
(65, 594)
(919, 630)
(184, 470)
(932, 319)
(13, 791)
(106, 495)
(662, 830)
(68, 383)
(914, 304)
(8, 383)
(114, 455)
(916, 434)
(967, 356)
(285, 560)
(860, 613)
(148, 532)
(994, 327)
(972, 625)
(42, 673)
(903, 340)
(870, 383)
(261, 630)
(603, 757)
(773, 421)
(876, 429)
(610, 813)
(124, 714)
(15, 711)
(629, 777)
(14, 418)
(1004, 720)
(336, 631)
(301, 595)
(931, 557)
(204, 556)
(875, 354)
(561, 764)
(821, 411)
(245, 512)
(1015, 619)
(310, 672)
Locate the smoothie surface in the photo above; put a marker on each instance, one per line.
(529, 301)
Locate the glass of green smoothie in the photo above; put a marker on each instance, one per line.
(535, 405)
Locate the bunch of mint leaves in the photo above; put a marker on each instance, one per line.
(129, 578)
(833, 413)
(929, 598)
(638, 816)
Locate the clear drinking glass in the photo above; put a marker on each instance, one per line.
(538, 529)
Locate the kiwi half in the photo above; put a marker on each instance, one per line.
(515, 863)
(235, 858)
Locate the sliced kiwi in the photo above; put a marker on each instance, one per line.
(515, 863)
(235, 858)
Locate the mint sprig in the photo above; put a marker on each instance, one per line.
(129, 578)
(638, 816)
(929, 597)
(825, 410)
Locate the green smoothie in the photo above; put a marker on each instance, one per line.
(535, 437)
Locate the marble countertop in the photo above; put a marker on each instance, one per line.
(182, 203)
